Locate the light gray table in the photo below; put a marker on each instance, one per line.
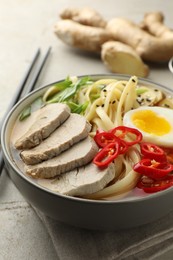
(24, 26)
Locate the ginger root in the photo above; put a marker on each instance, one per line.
(123, 45)
(86, 16)
(153, 23)
(121, 58)
(149, 47)
(81, 36)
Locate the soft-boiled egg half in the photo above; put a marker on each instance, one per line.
(155, 124)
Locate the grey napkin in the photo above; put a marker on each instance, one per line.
(145, 242)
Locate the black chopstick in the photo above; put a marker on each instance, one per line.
(32, 84)
(37, 72)
(21, 86)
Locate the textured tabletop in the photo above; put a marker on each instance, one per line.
(25, 26)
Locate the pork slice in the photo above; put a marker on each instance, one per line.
(78, 155)
(81, 181)
(50, 117)
(74, 129)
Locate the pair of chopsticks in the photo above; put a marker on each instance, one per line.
(22, 85)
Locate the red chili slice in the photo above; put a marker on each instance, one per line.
(104, 138)
(107, 154)
(123, 132)
(151, 186)
(123, 146)
(169, 154)
(152, 151)
(153, 169)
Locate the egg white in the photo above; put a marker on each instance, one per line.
(165, 140)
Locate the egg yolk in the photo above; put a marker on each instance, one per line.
(149, 122)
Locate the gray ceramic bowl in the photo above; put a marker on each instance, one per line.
(90, 214)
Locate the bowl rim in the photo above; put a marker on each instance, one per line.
(52, 193)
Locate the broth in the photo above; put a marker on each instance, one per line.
(21, 127)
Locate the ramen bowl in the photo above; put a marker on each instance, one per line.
(133, 210)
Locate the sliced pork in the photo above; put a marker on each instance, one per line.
(78, 155)
(50, 117)
(74, 129)
(81, 181)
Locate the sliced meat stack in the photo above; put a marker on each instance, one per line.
(49, 118)
(73, 130)
(81, 181)
(58, 146)
(79, 154)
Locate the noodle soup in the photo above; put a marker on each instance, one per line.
(106, 103)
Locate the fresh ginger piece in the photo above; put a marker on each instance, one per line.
(81, 36)
(86, 16)
(121, 58)
(149, 47)
(153, 22)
